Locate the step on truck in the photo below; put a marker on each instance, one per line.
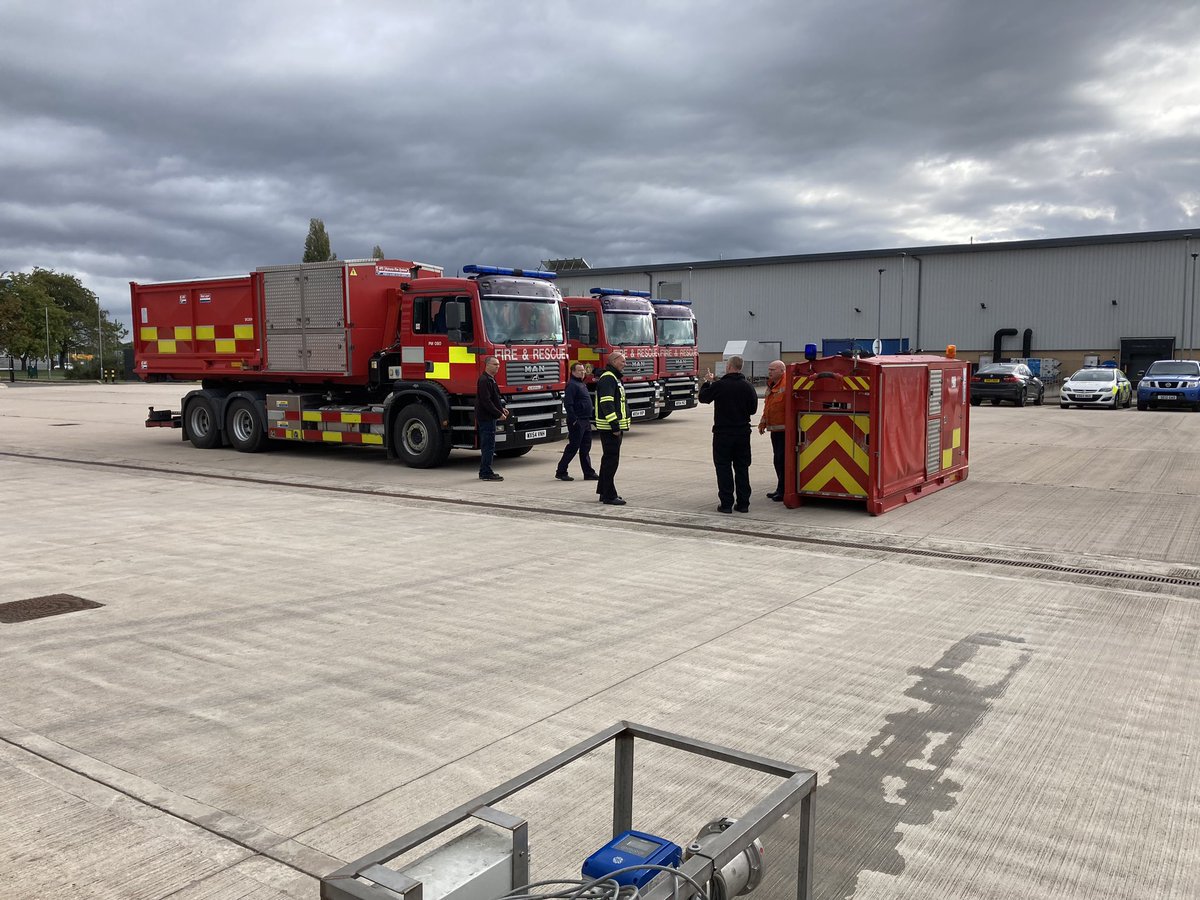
(383, 353)
(678, 355)
(614, 319)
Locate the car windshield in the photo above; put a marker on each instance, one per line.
(512, 320)
(628, 329)
(998, 369)
(676, 332)
(1174, 367)
(1094, 375)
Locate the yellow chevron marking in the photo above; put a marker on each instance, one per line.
(865, 382)
(332, 436)
(183, 332)
(834, 471)
(166, 346)
(835, 434)
(956, 441)
(225, 346)
(352, 418)
(947, 458)
(149, 333)
(372, 439)
(206, 332)
(461, 355)
(802, 384)
(441, 370)
(310, 415)
(243, 332)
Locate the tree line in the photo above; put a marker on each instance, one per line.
(44, 312)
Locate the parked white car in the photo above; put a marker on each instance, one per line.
(1104, 387)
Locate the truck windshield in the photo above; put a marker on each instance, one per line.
(628, 329)
(676, 332)
(519, 320)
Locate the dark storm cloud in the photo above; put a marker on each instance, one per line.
(147, 141)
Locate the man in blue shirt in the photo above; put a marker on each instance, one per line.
(579, 427)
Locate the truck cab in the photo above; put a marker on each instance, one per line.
(613, 319)
(449, 326)
(678, 357)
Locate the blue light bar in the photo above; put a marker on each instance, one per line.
(673, 302)
(499, 270)
(618, 292)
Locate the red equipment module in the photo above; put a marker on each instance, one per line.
(886, 429)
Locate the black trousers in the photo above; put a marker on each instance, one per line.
(731, 457)
(579, 440)
(610, 443)
(777, 440)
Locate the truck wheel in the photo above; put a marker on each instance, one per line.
(418, 438)
(244, 426)
(513, 453)
(201, 423)
(666, 412)
(975, 401)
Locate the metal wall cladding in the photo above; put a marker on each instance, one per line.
(282, 297)
(325, 351)
(323, 300)
(1064, 293)
(305, 308)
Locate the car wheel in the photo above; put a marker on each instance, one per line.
(1141, 403)
(995, 401)
(975, 401)
(1041, 398)
(1020, 401)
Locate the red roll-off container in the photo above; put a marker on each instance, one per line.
(885, 430)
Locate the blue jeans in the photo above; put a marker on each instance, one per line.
(487, 446)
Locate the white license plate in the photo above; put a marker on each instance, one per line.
(637, 413)
(1168, 396)
(534, 435)
(681, 403)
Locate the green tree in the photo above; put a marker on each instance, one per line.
(74, 312)
(316, 245)
(377, 253)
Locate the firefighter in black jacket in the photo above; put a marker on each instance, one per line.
(612, 420)
(489, 409)
(580, 417)
(734, 401)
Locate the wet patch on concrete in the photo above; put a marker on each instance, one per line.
(41, 607)
(898, 778)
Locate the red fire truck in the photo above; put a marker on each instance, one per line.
(384, 353)
(615, 319)
(678, 356)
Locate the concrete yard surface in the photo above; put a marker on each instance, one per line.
(304, 653)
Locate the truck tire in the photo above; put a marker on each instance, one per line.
(666, 412)
(244, 426)
(418, 438)
(513, 452)
(201, 423)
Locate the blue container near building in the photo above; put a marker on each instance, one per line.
(834, 346)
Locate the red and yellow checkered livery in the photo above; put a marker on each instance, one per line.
(883, 430)
(298, 417)
(196, 327)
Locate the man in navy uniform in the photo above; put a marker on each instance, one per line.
(579, 427)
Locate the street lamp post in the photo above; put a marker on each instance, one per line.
(100, 340)
(879, 316)
(49, 364)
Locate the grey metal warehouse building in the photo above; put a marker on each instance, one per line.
(1128, 297)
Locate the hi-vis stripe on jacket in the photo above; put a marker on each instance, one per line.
(611, 412)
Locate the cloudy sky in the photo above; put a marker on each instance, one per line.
(150, 140)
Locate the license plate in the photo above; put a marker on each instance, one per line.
(1168, 396)
(637, 413)
(991, 381)
(681, 403)
(534, 435)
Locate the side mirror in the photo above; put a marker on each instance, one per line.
(454, 315)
